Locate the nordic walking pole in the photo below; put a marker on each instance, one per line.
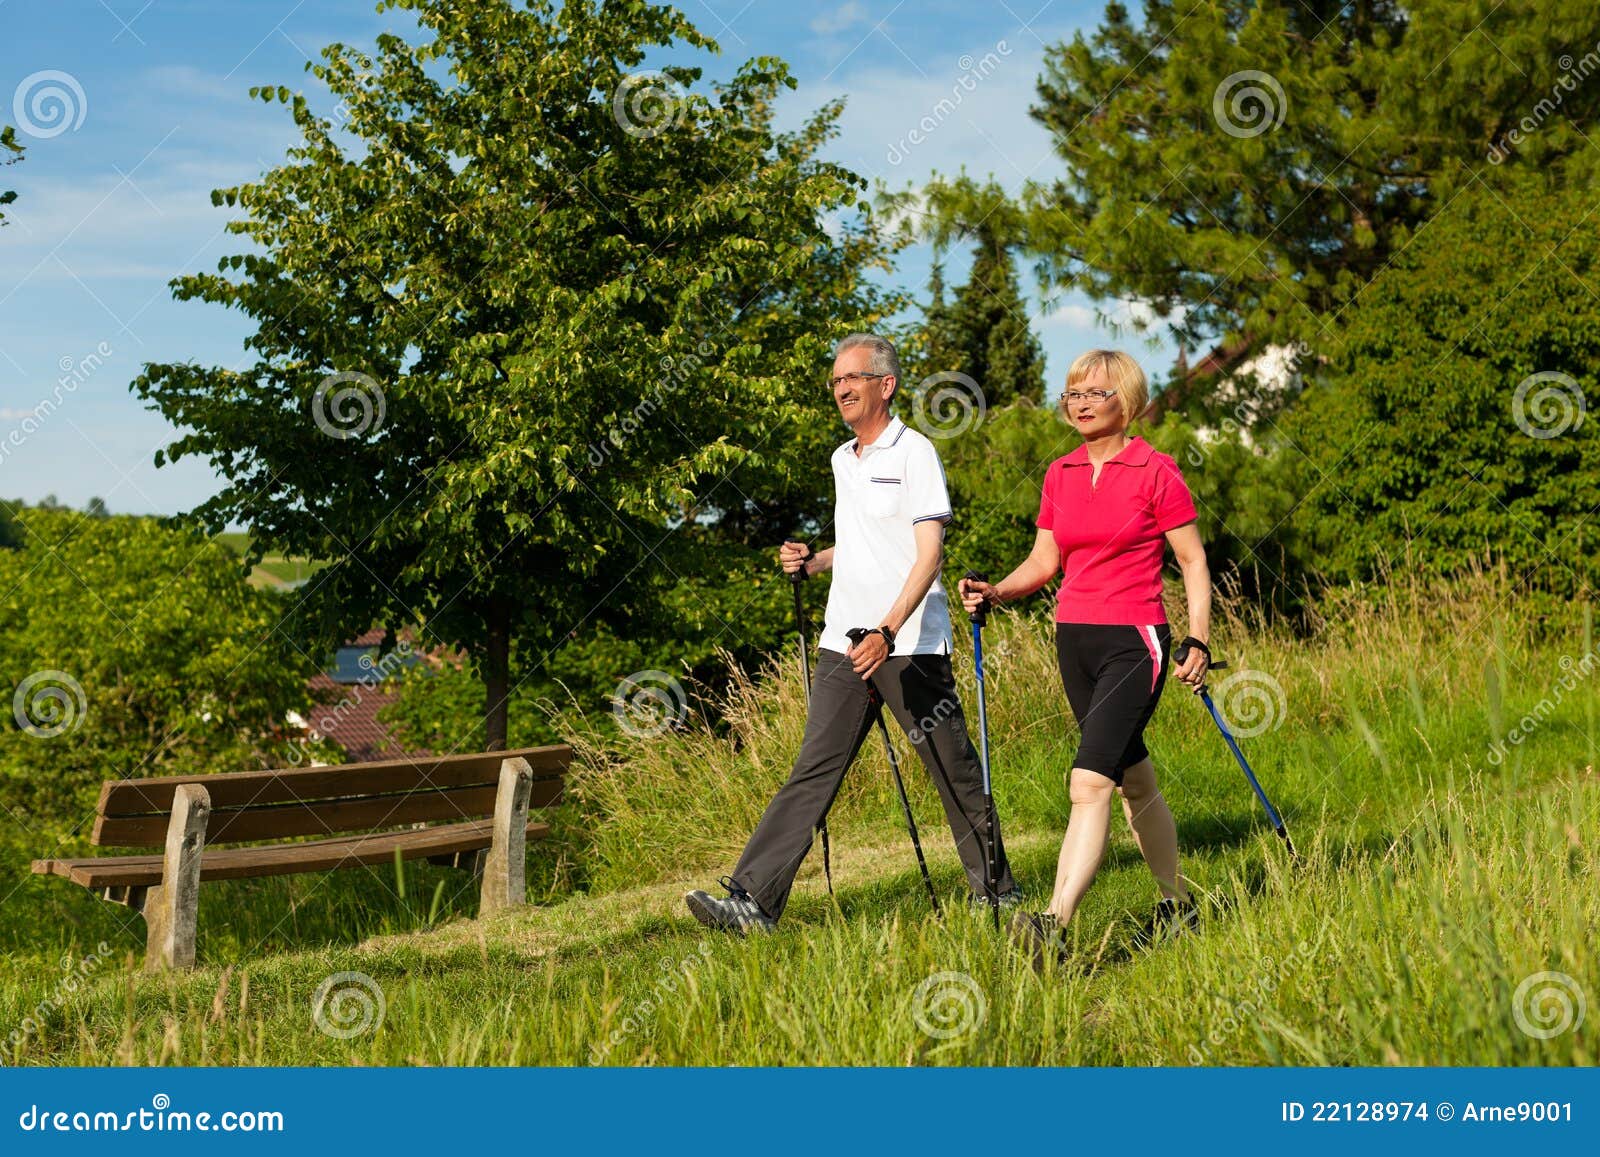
(991, 865)
(795, 580)
(1178, 656)
(855, 635)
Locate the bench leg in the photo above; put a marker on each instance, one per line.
(505, 883)
(172, 908)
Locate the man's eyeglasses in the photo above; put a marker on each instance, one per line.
(833, 383)
(1074, 397)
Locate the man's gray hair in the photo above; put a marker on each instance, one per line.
(881, 358)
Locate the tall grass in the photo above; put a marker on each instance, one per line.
(1436, 883)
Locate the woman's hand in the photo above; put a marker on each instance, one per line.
(975, 594)
(1192, 671)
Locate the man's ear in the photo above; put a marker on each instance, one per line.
(891, 385)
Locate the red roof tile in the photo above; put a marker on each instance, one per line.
(347, 714)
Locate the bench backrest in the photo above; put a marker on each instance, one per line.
(320, 801)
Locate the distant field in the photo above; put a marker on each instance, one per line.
(275, 570)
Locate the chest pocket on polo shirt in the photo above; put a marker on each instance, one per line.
(883, 496)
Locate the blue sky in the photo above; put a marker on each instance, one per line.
(114, 196)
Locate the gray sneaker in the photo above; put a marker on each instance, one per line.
(738, 913)
(979, 902)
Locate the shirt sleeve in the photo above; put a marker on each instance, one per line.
(1047, 505)
(1171, 503)
(926, 494)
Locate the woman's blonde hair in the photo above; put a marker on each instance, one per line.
(1122, 375)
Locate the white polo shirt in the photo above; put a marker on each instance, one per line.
(895, 483)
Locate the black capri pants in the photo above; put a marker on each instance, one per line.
(1113, 675)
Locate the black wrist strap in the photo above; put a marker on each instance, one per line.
(1191, 641)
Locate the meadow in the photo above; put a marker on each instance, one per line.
(1432, 748)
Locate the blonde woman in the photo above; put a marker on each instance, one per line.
(1106, 513)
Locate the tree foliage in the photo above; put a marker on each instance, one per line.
(1453, 424)
(130, 649)
(1245, 167)
(10, 154)
(587, 310)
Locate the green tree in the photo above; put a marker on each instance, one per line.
(1245, 167)
(540, 360)
(11, 152)
(985, 332)
(130, 649)
(1453, 424)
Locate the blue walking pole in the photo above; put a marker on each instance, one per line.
(1178, 657)
(991, 864)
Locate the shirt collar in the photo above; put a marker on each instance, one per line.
(888, 437)
(1136, 453)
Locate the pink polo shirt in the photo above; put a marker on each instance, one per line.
(1111, 532)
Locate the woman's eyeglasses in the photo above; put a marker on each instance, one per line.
(1074, 397)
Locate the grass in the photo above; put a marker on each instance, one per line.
(274, 570)
(1435, 878)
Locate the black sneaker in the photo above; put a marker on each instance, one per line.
(979, 901)
(738, 913)
(1171, 919)
(1041, 936)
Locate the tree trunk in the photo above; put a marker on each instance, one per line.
(497, 676)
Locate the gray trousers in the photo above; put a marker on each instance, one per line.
(920, 691)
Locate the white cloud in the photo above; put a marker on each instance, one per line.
(832, 22)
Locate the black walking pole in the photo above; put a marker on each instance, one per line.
(855, 635)
(991, 863)
(1178, 657)
(795, 579)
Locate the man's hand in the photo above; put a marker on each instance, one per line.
(792, 556)
(868, 655)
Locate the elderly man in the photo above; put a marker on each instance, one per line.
(890, 510)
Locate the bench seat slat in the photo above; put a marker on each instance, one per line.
(323, 818)
(132, 797)
(285, 859)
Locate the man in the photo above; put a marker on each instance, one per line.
(890, 510)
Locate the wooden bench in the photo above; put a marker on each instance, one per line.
(485, 796)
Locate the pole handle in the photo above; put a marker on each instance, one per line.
(799, 576)
(980, 617)
(1181, 656)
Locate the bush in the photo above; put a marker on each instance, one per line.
(1449, 425)
(131, 649)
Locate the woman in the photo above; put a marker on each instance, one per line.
(1104, 514)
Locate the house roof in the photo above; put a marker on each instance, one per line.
(347, 714)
